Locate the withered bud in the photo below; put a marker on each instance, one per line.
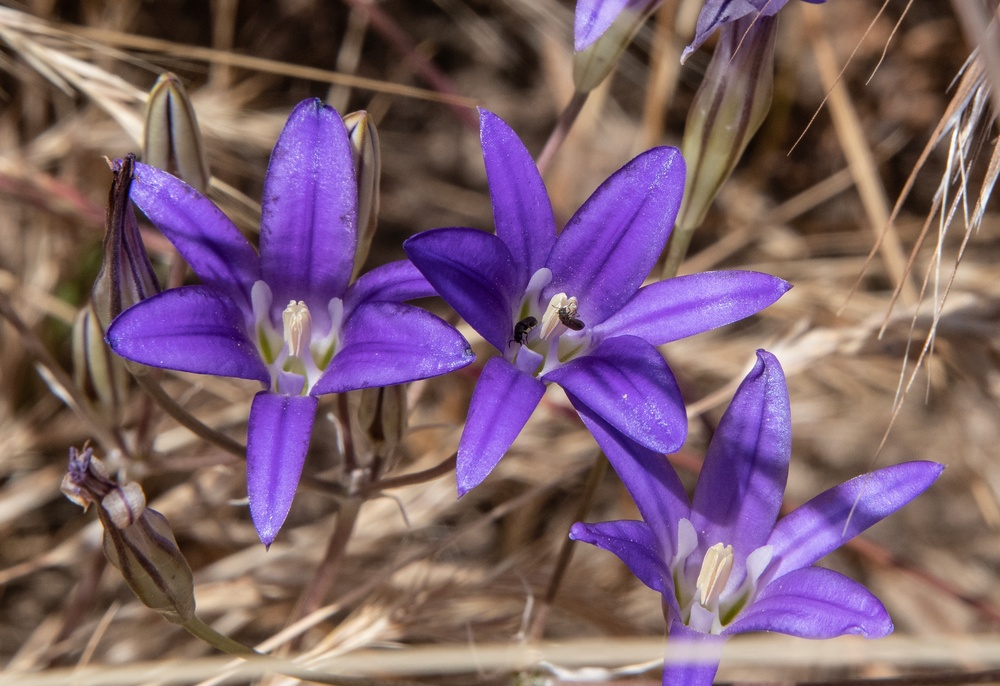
(368, 171)
(126, 275)
(593, 64)
(98, 372)
(137, 540)
(378, 424)
(730, 106)
(173, 139)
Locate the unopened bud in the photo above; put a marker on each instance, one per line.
(730, 106)
(173, 139)
(126, 275)
(98, 372)
(368, 171)
(138, 541)
(595, 57)
(378, 424)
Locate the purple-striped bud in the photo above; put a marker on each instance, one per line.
(137, 540)
(602, 31)
(173, 139)
(368, 172)
(378, 419)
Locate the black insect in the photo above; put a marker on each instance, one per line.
(522, 328)
(567, 315)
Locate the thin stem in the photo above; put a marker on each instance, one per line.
(594, 478)
(561, 130)
(326, 574)
(170, 406)
(440, 469)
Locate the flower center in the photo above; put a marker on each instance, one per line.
(559, 316)
(297, 327)
(715, 570)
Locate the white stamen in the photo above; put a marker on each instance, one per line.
(298, 327)
(560, 307)
(715, 569)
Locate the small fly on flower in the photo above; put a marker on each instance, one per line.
(567, 315)
(522, 328)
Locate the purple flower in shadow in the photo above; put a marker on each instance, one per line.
(288, 317)
(723, 561)
(569, 309)
(715, 13)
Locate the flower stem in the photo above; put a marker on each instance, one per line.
(183, 418)
(326, 574)
(680, 241)
(594, 478)
(561, 129)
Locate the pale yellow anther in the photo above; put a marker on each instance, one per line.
(561, 308)
(714, 574)
(298, 327)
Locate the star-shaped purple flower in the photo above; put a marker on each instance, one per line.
(723, 561)
(715, 13)
(288, 317)
(569, 309)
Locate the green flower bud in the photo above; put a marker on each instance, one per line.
(378, 424)
(368, 171)
(138, 541)
(173, 139)
(592, 64)
(729, 107)
(98, 372)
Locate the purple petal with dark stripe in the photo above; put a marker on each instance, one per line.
(308, 232)
(190, 329)
(278, 436)
(608, 247)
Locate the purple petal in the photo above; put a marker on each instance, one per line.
(501, 405)
(683, 640)
(635, 544)
(626, 382)
(593, 18)
(475, 273)
(653, 484)
(715, 13)
(277, 442)
(394, 282)
(206, 239)
(611, 243)
(815, 603)
(391, 343)
(835, 516)
(308, 226)
(522, 212)
(190, 329)
(676, 308)
(742, 480)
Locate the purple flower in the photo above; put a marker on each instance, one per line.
(715, 13)
(722, 560)
(288, 317)
(569, 309)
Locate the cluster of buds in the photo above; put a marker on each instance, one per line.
(137, 540)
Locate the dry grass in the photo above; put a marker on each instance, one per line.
(450, 585)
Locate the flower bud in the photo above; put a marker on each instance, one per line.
(137, 540)
(126, 275)
(173, 139)
(98, 372)
(378, 424)
(368, 171)
(596, 57)
(729, 107)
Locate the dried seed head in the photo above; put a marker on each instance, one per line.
(137, 540)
